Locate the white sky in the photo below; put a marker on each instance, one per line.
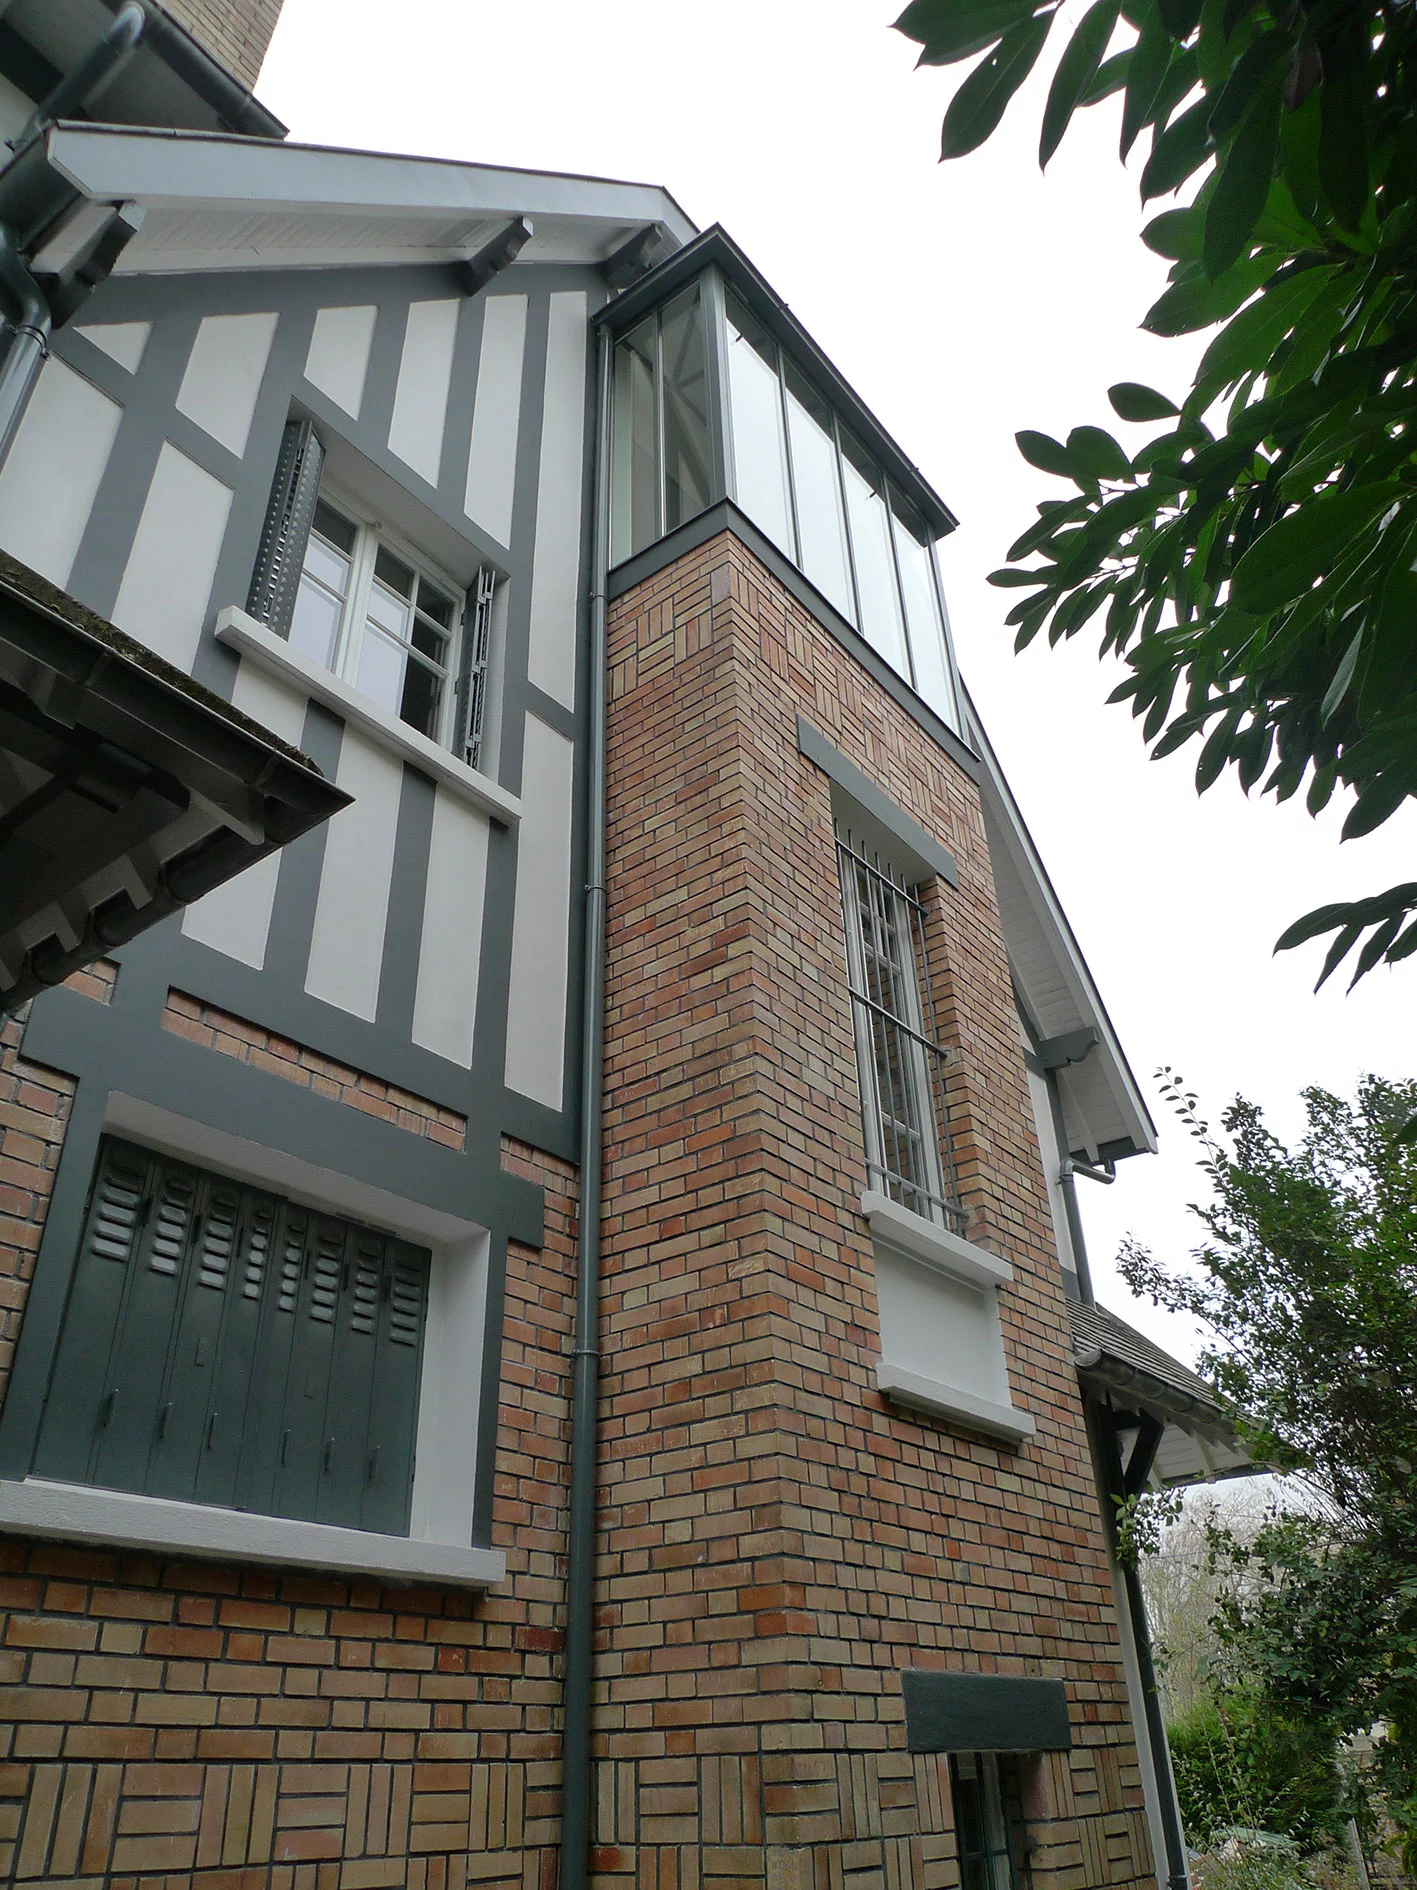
(963, 302)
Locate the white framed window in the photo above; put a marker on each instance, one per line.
(377, 614)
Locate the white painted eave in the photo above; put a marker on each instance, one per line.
(211, 200)
(1102, 1102)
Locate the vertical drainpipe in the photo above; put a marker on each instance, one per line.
(1107, 1458)
(30, 327)
(585, 1383)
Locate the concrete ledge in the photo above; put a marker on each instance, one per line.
(961, 1407)
(916, 1238)
(242, 632)
(73, 1512)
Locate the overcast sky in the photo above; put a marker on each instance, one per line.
(963, 302)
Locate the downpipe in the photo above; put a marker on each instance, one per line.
(585, 1384)
(103, 61)
(31, 324)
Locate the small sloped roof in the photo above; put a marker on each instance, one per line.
(1200, 1441)
(222, 202)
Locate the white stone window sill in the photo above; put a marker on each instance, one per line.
(961, 1407)
(72, 1512)
(915, 1238)
(242, 632)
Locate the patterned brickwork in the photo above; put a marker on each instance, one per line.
(778, 1540)
(251, 1043)
(188, 1724)
(235, 32)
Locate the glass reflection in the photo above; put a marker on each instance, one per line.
(821, 526)
(632, 469)
(870, 524)
(759, 449)
(684, 369)
(916, 556)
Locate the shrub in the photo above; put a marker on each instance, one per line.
(1239, 1765)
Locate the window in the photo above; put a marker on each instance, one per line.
(987, 1821)
(368, 613)
(370, 608)
(901, 1066)
(660, 431)
(225, 1346)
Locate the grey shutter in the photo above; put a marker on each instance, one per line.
(284, 536)
(78, 1387)
(472, 668)
(222, 1346)
(393, 1405)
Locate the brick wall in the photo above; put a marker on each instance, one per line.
(235, 32)
(778, 1540)
(174, 1724)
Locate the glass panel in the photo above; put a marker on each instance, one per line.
(814, 480)
(393, 572)
(381, 667)
(922, 615)
(633, 506)
(430, 639)
(881, 622)
(422, 699)
(685, 370)
(332, 525)
(390, 613)
(759, 451)
(314, 624)
(435, 603)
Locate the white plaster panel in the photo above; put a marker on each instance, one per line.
(51, 478)
(347, 948)
(445, 1003)
(167, 584)
(224, 374)
(338, 360)
(236, 917)
(556, 560)
(536, 997)
(450, 1393)
(123, 342)
(492, 461)
(421, 401)
(940, 1329)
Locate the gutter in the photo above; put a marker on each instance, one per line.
(232, 102)
(585, 1386)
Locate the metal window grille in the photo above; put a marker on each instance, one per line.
(988, 1823)
(901, 1063)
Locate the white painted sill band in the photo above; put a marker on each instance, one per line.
(962, 1407)
(72, 1512)
(242, 632)
(915, 1238)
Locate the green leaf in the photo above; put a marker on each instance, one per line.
(1287, 559)
(1364, 912)
(1375, 948)
(948, 30)
(1181, 149)
(1009, 579)
(1343, 676)
(1131, 401)
(1250, 338)
(1179, 17)
(1097, 455)
(1377, 803)
(1151, 55)
(1242, 183)
(1109, 77)
(1343, 142)
(1046, 453)
(1076, 70)
(976, 108)
(1200, 304)
(1247, 81)
(1055, 514)
(1176, 234)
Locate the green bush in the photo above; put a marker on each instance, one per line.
(1239, 1765)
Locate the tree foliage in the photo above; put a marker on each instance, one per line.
(1307, 1281)
(1239, 1764)
(1255, 563)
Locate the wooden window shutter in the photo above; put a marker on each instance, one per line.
(223, 1346)
(289, 516)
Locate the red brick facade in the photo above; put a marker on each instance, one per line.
(235, 32)
(777, 1541)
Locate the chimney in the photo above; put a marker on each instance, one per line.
(234, 32)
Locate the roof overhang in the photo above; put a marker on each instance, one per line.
(1199, 1442)
(1104, 1113)
(126, 790)
(218, 202)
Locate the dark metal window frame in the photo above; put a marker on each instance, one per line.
(910, 1102)
(987, 1799)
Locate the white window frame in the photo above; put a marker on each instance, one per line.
(372, 534)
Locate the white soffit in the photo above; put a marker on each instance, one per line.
(1101, 1101)
(220, 202)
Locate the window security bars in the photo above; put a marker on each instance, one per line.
(472, 677)
(902, 1065)
(983, 1821)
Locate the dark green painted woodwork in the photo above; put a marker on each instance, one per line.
(223, 1346)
